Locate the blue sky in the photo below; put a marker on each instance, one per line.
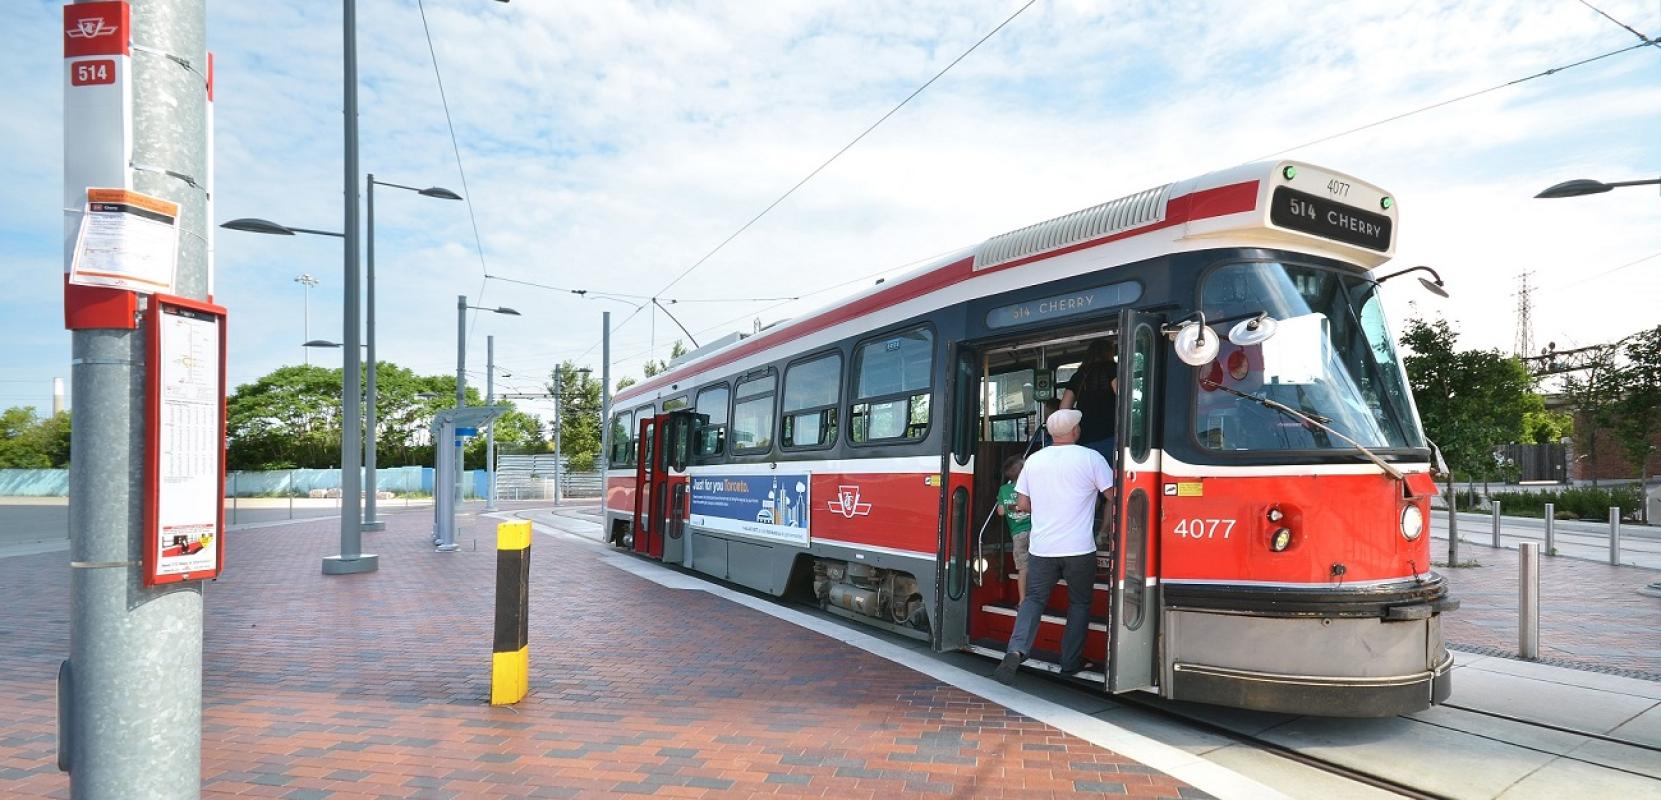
(609, 145)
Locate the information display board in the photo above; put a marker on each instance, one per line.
(184, 440)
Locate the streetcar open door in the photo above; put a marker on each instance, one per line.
(1133, 614)
(660, 498)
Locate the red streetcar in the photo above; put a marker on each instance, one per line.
(1267, 549)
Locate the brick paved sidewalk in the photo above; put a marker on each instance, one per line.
(377, 686)
(1591, 615)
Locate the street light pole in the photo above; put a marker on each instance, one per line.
(371, 444)
(370, 520)
(559, 430)
(351, 558)
(461, 367)
(490, 430)
(306, 281)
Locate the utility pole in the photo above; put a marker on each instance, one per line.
(131, 691)
(490, 432)
(605, 400)
(559, 429)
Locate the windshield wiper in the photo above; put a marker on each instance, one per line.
(1317, 421)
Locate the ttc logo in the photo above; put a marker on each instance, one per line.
(848, 504)
(91, 28)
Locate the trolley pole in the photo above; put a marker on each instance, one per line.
(130, 695)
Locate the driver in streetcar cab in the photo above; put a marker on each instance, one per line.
(1058, 485)
(1093, 391)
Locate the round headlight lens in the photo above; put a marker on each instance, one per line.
(1280, 540)
(1412, 523)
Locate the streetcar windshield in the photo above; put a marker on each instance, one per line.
(1331, 357)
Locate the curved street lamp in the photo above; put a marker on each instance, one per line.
(1580, 187)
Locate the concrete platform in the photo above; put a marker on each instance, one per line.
(376, 685)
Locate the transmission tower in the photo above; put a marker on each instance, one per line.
(1523, 346)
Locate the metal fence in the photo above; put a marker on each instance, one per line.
(533, 477)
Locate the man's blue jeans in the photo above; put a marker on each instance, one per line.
(1042, 574)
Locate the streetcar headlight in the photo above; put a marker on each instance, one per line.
(1280, 539)
(1412, 523)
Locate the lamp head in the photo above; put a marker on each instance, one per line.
(438, 192)
(253, 225)
(1575, 188)
(508, 311)
(321, 343)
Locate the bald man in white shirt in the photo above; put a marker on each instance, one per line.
(1059, 486)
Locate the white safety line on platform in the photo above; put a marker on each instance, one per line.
(1176, 762)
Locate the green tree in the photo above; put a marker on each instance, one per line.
(1547, 427)
(652, 367)
(579, 413)
(1638, 407)
(625, 382)
(1470, 400)
(31, 442)
(1592, 392)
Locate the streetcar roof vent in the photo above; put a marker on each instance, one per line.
(1114, 216)
(706, 349)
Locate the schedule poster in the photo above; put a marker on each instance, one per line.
(188, 448)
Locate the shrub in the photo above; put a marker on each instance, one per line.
(1580, 502)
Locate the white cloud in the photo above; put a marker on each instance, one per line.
(609, 145)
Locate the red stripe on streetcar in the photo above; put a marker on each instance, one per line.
(1217, 202)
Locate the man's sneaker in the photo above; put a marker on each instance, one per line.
(1087, 666)
(1005, 673)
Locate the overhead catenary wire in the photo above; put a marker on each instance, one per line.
(1448, 102)
(455, 145)
(1632, 30)
(845, 148)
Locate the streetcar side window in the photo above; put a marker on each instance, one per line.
(674, 404)
(641, 413)
(891, 387)
(752, 413)
(710, 441)
(811, 394)
(622, 439)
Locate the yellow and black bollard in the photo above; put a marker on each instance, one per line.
(510, 661)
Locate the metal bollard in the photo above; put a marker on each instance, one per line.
(1615, 535)
(1528, 600)
(1551, 529)
(290, 494)
(233, 498)
(1496, 524)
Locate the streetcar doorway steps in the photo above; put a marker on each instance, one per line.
(1040, 661)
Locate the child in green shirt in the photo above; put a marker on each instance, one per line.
(1018, 522)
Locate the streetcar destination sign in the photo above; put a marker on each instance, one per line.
(1082, 301)
(1307, 213)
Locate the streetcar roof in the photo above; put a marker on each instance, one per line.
(1229, 201)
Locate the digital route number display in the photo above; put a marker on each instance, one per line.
(1307, 213)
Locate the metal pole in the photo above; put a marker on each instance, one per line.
(1615, 535)
(490, 427)
(1551, 529)
(1528, 600)
(131, 691)
(351, 558)
(605, 402)
(371, 520)
(1496, 523)
(444, 503)
(1453, 523)
(234, 494)
(559, 426)
(461, 386)
(291, 494)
